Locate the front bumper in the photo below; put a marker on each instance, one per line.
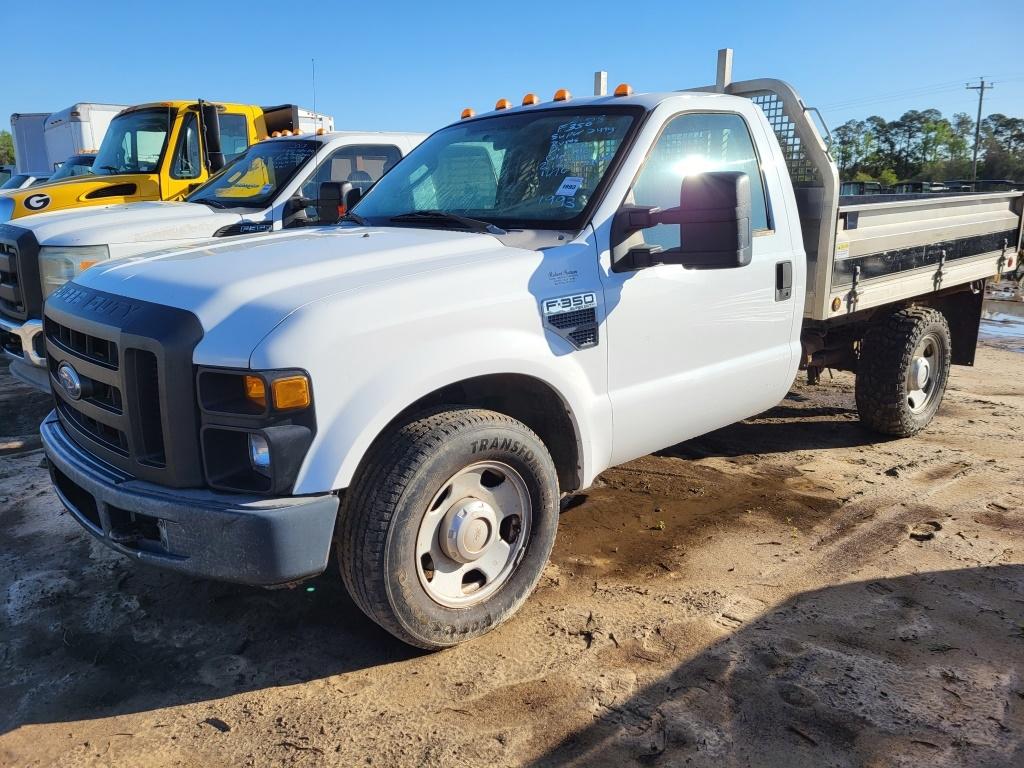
(23, 341)
(224, 536)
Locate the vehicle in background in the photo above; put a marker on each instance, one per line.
(28, 133)
(919, 187)
(273, 185)
(78, 129)
(6, 171)
(984, 185)
(76, 165)
(862, 188)
(531, 296)
(159, 151)
(22, 181)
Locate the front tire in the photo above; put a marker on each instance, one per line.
(903, 371)
(448, 525)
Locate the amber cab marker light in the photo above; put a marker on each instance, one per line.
(562, 94)
(467, 113)
(624, 89)
(291, 392)
(530, 99)
(503, 104)
(256, 390)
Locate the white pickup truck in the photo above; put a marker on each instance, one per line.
(529, 297)
(273, 185)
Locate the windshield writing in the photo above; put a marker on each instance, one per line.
(532, 169)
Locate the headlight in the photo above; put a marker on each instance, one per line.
(61, 263)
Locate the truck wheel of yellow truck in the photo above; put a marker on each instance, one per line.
(903, 371)
(448, 525)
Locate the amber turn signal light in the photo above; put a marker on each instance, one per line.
(256, 390)
(291, 392)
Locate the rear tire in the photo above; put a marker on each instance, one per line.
(448, 525)
(903, 371)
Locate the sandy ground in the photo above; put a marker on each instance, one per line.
(788, 591)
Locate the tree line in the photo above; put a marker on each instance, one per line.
(925, 146)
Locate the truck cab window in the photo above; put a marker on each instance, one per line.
(234, 136)
(692, 144)
(188, 162)
(361, 165)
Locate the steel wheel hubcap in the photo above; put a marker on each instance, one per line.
(921, 385)
(473, 534)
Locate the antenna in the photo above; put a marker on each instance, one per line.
(316, 115)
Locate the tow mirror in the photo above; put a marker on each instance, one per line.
(713, 217)
(210, 119)
(331, 199)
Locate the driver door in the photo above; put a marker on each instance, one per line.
(691, 350)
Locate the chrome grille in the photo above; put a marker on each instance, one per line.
(12, 297)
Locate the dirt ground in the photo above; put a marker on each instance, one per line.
(788, 591)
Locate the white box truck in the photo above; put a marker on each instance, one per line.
(529, 297)
(77, 129)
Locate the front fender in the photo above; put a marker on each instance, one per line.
(360, 387)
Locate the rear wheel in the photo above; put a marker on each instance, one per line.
(448, 526)
(903, 371)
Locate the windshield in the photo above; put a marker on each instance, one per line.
(527, 170)
(254, 178)
(134, 142)
(16, 181)
(79, 165)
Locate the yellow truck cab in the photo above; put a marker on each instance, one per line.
(158, 151)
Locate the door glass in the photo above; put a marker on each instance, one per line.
(693, 144)
(360, 164)
(234, 136)
(188, 163)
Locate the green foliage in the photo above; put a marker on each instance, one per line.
(924, 145)
(6, 148)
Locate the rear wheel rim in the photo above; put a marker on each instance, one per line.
(923, 381)
(473, 534)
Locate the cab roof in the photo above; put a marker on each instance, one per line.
(647, 101)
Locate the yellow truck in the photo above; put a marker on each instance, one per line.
(162, 151)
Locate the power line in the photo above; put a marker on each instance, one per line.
(977, 125)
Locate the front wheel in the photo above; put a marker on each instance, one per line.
(903, 371)
(447, 527)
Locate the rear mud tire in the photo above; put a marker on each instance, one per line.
(890, 398)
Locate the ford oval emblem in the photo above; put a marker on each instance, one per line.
(69, 380)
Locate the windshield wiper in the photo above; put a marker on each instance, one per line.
(474, 225)
(111, 168)
(208, 201)
(356, 218)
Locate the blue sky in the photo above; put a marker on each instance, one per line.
(398, 66)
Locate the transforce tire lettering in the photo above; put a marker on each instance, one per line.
(503, 444)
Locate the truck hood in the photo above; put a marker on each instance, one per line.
(79, 191)
(240, 290)
(131, 223)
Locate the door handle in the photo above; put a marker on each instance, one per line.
(783, 280)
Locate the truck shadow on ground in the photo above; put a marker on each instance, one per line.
(782, 429)
(914, 670)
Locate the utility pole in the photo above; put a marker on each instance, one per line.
(981, 88)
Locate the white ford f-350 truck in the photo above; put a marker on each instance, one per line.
(529, 297)
(273, 185)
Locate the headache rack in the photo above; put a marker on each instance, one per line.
(869, 250)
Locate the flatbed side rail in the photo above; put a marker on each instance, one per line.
(900, 249)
